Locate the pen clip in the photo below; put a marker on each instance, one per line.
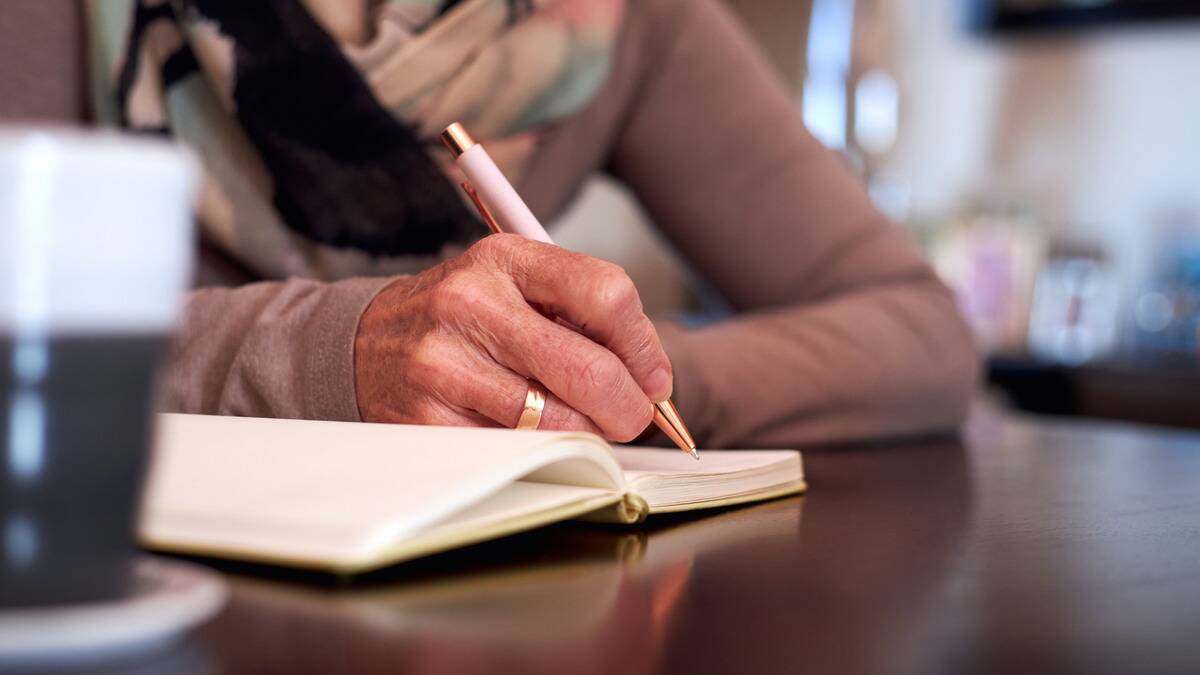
(483, 209)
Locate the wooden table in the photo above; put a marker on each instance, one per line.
(1031, 547)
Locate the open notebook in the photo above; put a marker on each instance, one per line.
(347, 497)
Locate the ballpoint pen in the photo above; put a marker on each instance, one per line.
(504, 211)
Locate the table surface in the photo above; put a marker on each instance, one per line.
(1030, 546)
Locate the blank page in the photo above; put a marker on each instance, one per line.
(669, 477)
(339, 491)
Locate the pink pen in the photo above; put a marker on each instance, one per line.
(506, 206)
(504, 211)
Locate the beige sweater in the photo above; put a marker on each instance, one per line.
(843, 332)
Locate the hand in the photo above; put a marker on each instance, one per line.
(455, 344)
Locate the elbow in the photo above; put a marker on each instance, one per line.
(954, 367)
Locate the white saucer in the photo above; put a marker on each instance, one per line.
(167, 598)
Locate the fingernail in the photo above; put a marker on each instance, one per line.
(658, 385)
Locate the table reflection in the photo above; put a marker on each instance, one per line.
(573, 597)
(846, 593)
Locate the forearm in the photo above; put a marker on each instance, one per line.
(272, 349)
(844, 331)
(880, 361)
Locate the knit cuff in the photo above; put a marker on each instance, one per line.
(329, 391)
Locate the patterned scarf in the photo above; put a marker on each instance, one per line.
(322, 156)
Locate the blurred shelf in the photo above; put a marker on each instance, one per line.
(1151, 392)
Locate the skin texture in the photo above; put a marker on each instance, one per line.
(455, 344)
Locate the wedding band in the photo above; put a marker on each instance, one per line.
(535, 402)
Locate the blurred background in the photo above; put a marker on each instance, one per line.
(1045, 154)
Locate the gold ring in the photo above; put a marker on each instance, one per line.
(535, 403)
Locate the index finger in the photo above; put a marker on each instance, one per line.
(597, 297)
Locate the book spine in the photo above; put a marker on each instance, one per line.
(630, 510)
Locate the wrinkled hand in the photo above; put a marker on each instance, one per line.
(455, 344)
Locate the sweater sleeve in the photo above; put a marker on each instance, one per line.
(41, 62)
(270, 349)
(843, 332)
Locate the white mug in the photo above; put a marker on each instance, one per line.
(95, 257)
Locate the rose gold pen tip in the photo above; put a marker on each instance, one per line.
(667, 418)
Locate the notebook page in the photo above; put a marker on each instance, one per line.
(667, 477)
(338, 490)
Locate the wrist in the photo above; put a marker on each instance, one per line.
(327, 373)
